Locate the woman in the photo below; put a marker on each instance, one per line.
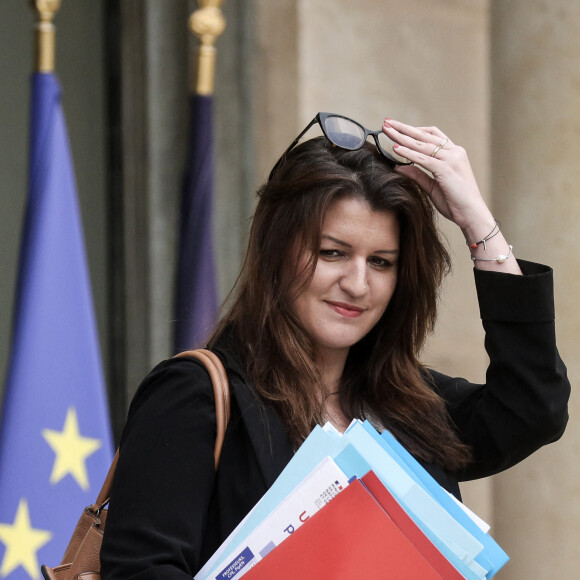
(336, 297)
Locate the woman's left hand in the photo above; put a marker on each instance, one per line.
(453, 190)
(452, 187)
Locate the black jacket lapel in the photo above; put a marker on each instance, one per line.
(266, 432)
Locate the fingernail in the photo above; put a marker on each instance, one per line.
(385, 124)
(395, 145)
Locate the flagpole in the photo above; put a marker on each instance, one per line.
(45, 34)
(207, 23)
(196, 300)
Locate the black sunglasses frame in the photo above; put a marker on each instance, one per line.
(321, 119)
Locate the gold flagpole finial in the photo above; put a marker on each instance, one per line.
(207, 23)
(45, 33)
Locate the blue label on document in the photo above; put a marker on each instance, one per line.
(237, 564)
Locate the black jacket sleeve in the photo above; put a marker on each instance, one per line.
(523, 404)
(165, 460)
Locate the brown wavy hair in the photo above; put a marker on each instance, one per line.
(382, 375)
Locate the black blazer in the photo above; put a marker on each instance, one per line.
(170, 511)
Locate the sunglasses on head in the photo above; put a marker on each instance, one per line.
(350, 135)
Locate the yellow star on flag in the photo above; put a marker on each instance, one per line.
(22, 542)
(71, 450)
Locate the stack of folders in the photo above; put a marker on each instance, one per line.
(351, 505)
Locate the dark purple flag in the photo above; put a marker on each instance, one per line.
(196, 306)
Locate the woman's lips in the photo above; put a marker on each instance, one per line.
(346, 310)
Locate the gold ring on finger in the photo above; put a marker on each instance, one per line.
(436, 150)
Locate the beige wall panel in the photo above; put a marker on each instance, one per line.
(536, 106)
(278, 92)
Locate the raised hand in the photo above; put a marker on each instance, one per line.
(442, 169)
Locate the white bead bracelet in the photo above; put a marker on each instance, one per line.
(500, 259)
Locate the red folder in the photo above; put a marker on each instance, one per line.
(406, 524)
(351, 537)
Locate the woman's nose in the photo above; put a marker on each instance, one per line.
(354, 279)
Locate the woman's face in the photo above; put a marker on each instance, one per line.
(354, 279)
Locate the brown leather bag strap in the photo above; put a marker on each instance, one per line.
(105, 493)
(221, 390)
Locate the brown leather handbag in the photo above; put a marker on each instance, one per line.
(81, 559)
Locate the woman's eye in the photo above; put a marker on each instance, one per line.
(380, 263)
(328, 253)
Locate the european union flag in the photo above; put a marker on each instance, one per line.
(55, 440)
(196, 280)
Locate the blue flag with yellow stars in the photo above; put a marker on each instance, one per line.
(55, 439)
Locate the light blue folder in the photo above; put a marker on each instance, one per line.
(353, 464)
(455, 543)
(492, 557)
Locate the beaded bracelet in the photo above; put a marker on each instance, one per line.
(500, 259)
(494, 232)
